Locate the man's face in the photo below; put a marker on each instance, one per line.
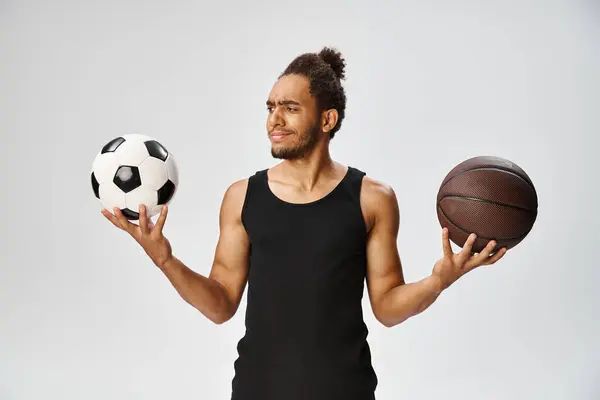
(292, 124)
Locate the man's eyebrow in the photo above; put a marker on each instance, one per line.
(283, 102)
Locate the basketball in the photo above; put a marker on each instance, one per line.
(491, 197)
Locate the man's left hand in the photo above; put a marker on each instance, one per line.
(454, 265)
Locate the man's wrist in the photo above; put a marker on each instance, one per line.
(167, 263)
(435, 283)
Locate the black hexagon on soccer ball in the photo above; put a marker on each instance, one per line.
(127, 178)
(95, 186)
(113, 145)
(156, 150)
(166, 192)
(130, 214)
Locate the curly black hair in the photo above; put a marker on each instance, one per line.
(325, 71)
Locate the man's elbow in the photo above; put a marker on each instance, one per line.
(220, 318)
(389, 316)
(387, 320)
(220, 313)
(389, 323)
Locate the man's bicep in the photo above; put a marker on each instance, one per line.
(384, 268)
(230, 266)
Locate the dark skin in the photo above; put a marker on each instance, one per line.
(299, 134)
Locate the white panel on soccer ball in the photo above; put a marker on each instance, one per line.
(172, 169)
(132, 152)
(136, 137)
(104, 167)
(155, 211)
(141, 195)
(153, 173)
(111, 196)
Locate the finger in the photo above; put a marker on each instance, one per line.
(125, 224)
(496, 257)
(480, 258)
(109, 216)
(446, 243)
(465, 253)
(160, 223)
(143, 218)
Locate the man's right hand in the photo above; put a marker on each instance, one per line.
(147, 234)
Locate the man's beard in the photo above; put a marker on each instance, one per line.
(307, 143)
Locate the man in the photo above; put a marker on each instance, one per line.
(305, 235)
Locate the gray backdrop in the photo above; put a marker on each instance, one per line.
(85, 315)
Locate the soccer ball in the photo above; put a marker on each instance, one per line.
(131, 170)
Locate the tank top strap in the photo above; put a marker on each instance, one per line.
(255, 192)
(353, 183)
(258, 179)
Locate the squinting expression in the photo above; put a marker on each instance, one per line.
(292, 123)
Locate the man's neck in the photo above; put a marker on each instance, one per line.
(309, 171)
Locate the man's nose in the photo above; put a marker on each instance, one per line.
(275, 118)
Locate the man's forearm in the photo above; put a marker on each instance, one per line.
(405, 301)
(202, 293)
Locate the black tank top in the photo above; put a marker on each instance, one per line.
(305, 335)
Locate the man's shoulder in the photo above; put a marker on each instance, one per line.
(378, 199)
(377, 190)
(236, 191)
(233, 200)
(238, 187)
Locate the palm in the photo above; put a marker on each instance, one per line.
(147, 234)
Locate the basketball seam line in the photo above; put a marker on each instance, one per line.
(492, 168)
(488, 202)
(482, 237)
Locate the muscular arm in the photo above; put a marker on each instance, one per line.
(392, 300)
(218, 296)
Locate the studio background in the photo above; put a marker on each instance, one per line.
(84, 314)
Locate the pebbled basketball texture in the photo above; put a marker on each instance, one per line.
(491, 197)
